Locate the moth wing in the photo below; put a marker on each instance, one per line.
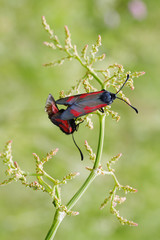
(72, 112)
(68, 101)
(66, 126)
(54, 115)
(79, 98)
(51, 107)
(81, 108)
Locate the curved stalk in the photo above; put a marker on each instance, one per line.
(59, 216)
(93, 173)
(91, 71)
(89, 68)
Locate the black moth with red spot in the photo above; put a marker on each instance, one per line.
(79, 105)
(54, 114)
(82, 104)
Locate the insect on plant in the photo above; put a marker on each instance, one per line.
(79, 105)
(68, 121)
(66, 126)
(82, 104)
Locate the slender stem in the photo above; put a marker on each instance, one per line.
(50, 178)
(57, 191)
(93, 73)
(44, 184)
(101, 140)
(114, 177)
(59, 216)
(90, 70)
(34, 174)
(93, 173)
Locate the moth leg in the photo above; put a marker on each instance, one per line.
(101, 110)
(77, 126)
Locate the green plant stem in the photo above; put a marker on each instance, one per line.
(89, 68)
(57, 192)
(59, 216)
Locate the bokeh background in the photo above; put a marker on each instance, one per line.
(130, 33)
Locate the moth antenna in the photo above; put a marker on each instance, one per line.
(123, 99)
(78, 147)
(123, 84)
(128, 104)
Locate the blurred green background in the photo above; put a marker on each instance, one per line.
(130, 33)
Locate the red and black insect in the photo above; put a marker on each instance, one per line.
(54, 114)
(82, 104)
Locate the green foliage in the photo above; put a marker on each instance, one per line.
(24, 86)
(113, 76)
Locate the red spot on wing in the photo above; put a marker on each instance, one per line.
(75, 113)
(65, 129)
(70, 98)
(64, 124)
(89, 109)
(83, 95)
(88, 94)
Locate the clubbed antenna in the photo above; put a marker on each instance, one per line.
(123, 84)
(123, 99)
(128, 104)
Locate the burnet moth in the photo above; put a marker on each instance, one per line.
(82, 104)
(66, 126)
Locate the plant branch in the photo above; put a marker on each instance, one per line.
(59, 216)
(90, 70)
